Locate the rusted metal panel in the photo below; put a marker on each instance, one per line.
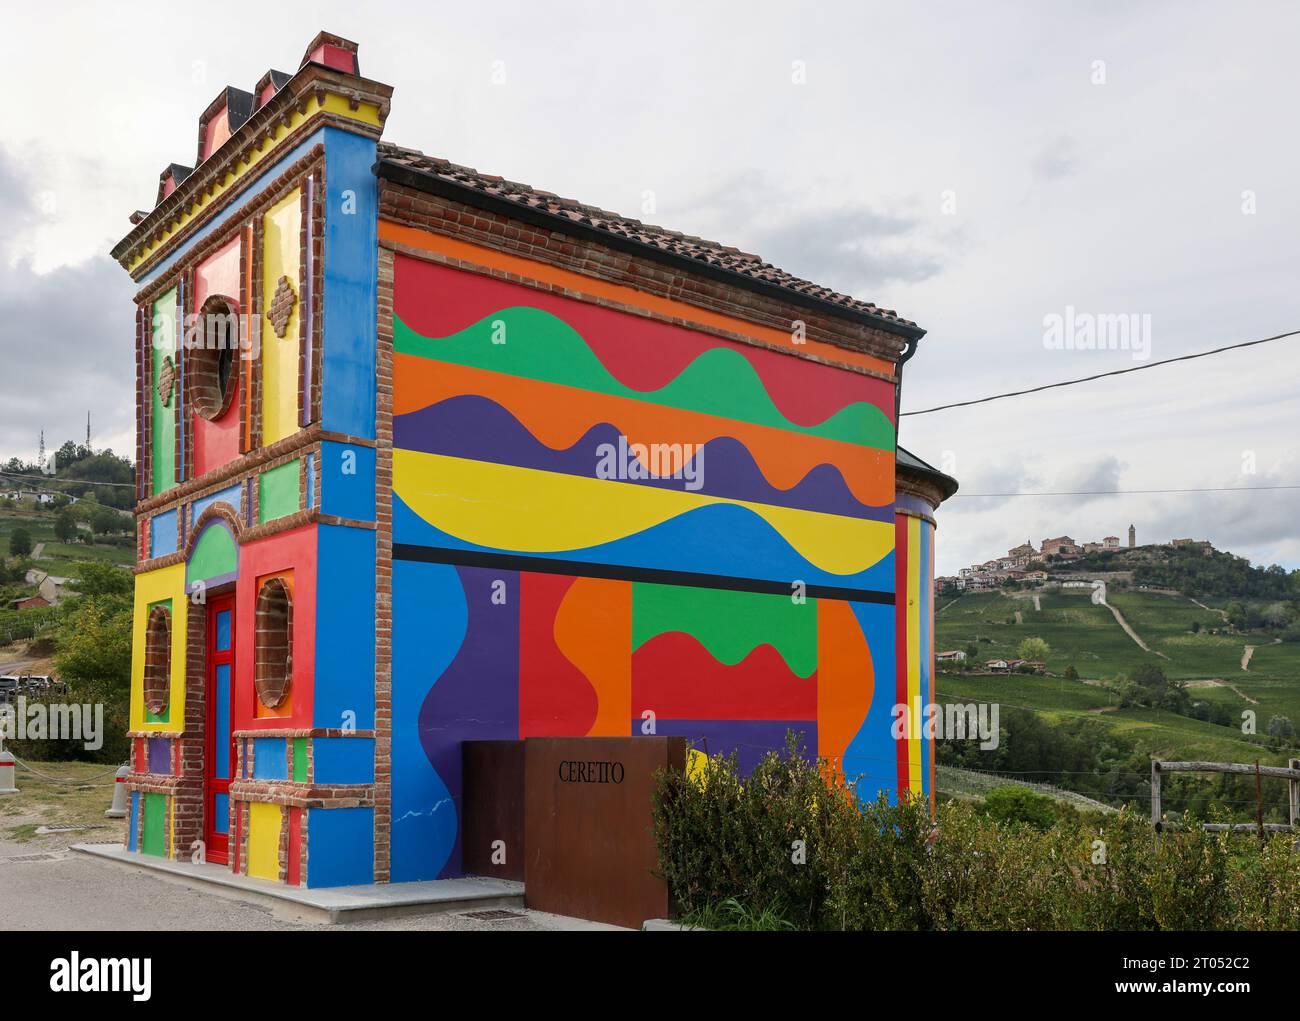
(494, 809)
(590, 849)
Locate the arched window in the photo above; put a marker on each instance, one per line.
(273, 667)
(158, 660)
(210, 369)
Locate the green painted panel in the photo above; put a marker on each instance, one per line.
(730, 625)
(155, 822)
(163, 437)
(214, 554)
(299, 760)
(277, 492)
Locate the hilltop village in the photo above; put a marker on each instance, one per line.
(1054, 561)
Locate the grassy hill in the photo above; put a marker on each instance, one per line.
(1087, 636)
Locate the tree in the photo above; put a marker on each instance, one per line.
(1071, 674)
(20, 543)
(104, 521)
(1034, 648)
(96, 578)
(1020, 804)
(1281, 728)
(65, 526)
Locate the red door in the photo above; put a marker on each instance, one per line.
(220, 753)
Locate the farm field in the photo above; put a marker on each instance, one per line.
(1087, 636)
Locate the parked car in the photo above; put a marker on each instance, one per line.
(9, 686)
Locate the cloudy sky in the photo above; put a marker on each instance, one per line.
(978, 167)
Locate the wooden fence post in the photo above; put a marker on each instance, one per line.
(1155, 796)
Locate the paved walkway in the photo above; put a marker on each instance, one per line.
(79, 893)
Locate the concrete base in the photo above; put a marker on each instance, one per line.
(331, 904)
(668, 925)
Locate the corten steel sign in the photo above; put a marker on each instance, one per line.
(590, 852)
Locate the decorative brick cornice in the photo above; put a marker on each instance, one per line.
(304, 94)
(303, 795)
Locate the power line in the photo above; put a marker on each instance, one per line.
(1103, 375)
(1139, 492)
(65, 481)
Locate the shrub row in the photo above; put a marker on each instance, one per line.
(792, 842)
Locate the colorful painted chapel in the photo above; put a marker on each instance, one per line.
(428, 456)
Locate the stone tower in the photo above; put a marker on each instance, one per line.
(1132, 536)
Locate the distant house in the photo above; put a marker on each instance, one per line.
(1111, 542)
(1062, 545)
(51, 588)
(1035, 576)
(998, 666)
(955, 656)
(28, 603)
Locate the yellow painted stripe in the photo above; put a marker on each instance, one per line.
(528, 510)
(366, 113)
(281, 244)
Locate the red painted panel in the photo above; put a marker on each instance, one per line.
(217, 443)
(674, 676)
(294, 550)
(216, 783)
(141, 762)
(555, 698)
(292, 874)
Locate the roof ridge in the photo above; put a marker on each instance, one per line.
(687, 246)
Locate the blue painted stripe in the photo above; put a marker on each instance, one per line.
(351, 281)
(265, 177)
(135, 819)
(221, 813)
(222, 727)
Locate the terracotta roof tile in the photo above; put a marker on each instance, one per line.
(683, 245)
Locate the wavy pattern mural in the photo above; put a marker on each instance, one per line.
(504, 398)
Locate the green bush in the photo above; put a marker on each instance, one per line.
(1020, 805)
(790, 846)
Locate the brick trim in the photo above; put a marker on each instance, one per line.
(384, 569)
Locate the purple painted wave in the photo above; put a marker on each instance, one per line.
(479, 429)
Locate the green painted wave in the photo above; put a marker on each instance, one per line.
(730, 625)
(538, 345)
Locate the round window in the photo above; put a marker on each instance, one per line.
(211, 379)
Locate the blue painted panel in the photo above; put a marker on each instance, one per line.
(162, 534)
(311, 481)
(430, 621)
(223, 631)
(270, 759)
(351, 276)
(135, 819)
(871, 755)
(343, 759)
(265, 177)
(341, 846)
(347, 481)
(345, 628)
(221, 813)
(230, 495)
(222, 724)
